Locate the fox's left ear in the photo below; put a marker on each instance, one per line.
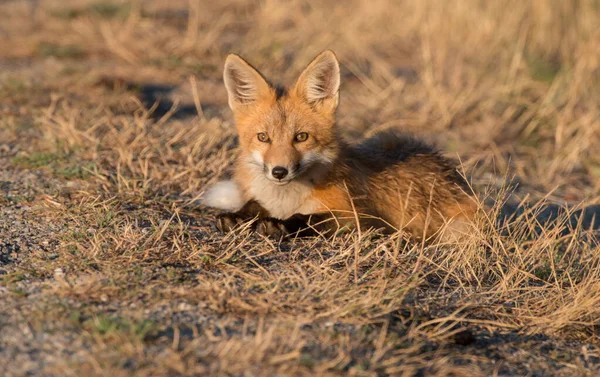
(319, 84)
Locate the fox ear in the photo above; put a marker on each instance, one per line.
(243, 82)
(319, 84)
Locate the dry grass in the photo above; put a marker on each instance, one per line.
(113, 120)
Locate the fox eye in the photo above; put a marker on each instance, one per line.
(262, 137)
(300, 137)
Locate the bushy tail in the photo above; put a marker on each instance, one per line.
(223, 195)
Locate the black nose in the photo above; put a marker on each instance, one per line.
(279, 172)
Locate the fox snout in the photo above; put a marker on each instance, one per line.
(279, 172)
(280, 168)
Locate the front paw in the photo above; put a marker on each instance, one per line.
(228, 221)
(271, 227)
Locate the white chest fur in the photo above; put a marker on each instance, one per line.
(283, 201)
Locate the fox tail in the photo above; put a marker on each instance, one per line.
(224, 195)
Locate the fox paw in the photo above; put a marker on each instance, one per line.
(271, 227)
(228, 221)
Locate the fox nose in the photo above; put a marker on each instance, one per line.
(279, 172)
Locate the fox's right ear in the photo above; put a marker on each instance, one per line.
(244, 84)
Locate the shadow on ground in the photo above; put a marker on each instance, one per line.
(549, 215)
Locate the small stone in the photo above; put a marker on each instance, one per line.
(59, 274)
(464, 337)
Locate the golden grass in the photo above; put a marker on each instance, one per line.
(119, 111)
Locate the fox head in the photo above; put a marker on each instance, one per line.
(285, 133)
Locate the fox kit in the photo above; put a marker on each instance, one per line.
(293, 166)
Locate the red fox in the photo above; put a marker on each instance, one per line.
(293, 165)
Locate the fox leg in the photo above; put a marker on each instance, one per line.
(265, 224)
(229, 220)
(295, 225)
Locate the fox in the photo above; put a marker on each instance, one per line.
(296, 174)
